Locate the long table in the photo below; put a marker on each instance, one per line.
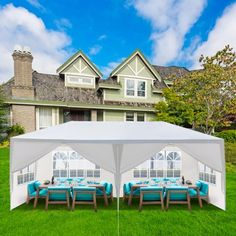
(45, 186)
(136, 186)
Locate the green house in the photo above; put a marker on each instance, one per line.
(79, 92)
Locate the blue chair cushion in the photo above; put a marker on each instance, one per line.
(59, 196)
(31, 188)
(202, 194)
(83, 196)
(62, 179)
(152, 196)
(109, 189)
(99, 192)
(192, 192)
(204, 188)
(177, 196)
(157, 180)
(126, 188)
(36, 184)
(136, 192)
(199, 184)
(43, 192)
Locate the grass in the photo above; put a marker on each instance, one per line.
(84, 221)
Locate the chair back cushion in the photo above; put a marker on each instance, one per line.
(109, 189)
(126, 188)
(175, 195)
(59, 193)
(204, 187)
(152, 195)
(31, 189)
(87, 196)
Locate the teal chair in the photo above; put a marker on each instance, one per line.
(177, 195)
(174, 180)
(107, 190)
(126, 191)
(151, 195)
(58, 195)
(32, 193)
(130, 192)
(157, 180)
(201, 191)
(84, 195)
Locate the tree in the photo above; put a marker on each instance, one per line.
(3, 115)
(174, 109)
(210, 93)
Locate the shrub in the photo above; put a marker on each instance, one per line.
(4, 144)
(228, 135)
(230, 152)
(230, 167)
(14, 130)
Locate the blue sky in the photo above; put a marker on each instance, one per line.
(168, 32)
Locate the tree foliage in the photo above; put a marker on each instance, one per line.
(3, 114)
(208, 94)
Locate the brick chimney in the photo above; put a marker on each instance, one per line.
(23, 88)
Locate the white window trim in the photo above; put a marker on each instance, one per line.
(27, 173)
(135, 88)
(68, 169)
(207, 172)
(73, 84)
(135, 116)
(55, 116)
(164, 169)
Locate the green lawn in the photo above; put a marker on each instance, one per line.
(84, 221)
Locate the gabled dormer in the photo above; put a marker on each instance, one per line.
(136, 78)
(79, 71)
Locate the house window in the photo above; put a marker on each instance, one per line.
(26, 175)
(130, 88)
(162, 164)
(129, 116)
(83, 80)
(134, 116)
(71, 164)
(207, 174)
(140, 117)
(45, 117)
(141, 88)
(135, 88)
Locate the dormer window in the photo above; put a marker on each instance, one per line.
(80, 80)
(135, 88)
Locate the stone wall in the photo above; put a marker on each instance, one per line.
(24, 116)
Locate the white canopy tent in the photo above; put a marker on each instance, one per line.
(118, 147)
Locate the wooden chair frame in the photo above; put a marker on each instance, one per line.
(48, 201)
(105, 196)
(200, 198)
(168, 201)
(37, 197)
(151, 202)
(83, 202)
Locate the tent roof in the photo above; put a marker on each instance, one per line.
(117, 132)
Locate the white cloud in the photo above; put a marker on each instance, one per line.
(19, 26)
(36, 3)
(63, 24)
(106, 70)
(102, 37)
(95, 50)
(171, 20)
(223, 33)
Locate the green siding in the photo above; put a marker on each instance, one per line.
(114, 116)
(150, 116)
(99, 115)
(119, 95)
(139, 71)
